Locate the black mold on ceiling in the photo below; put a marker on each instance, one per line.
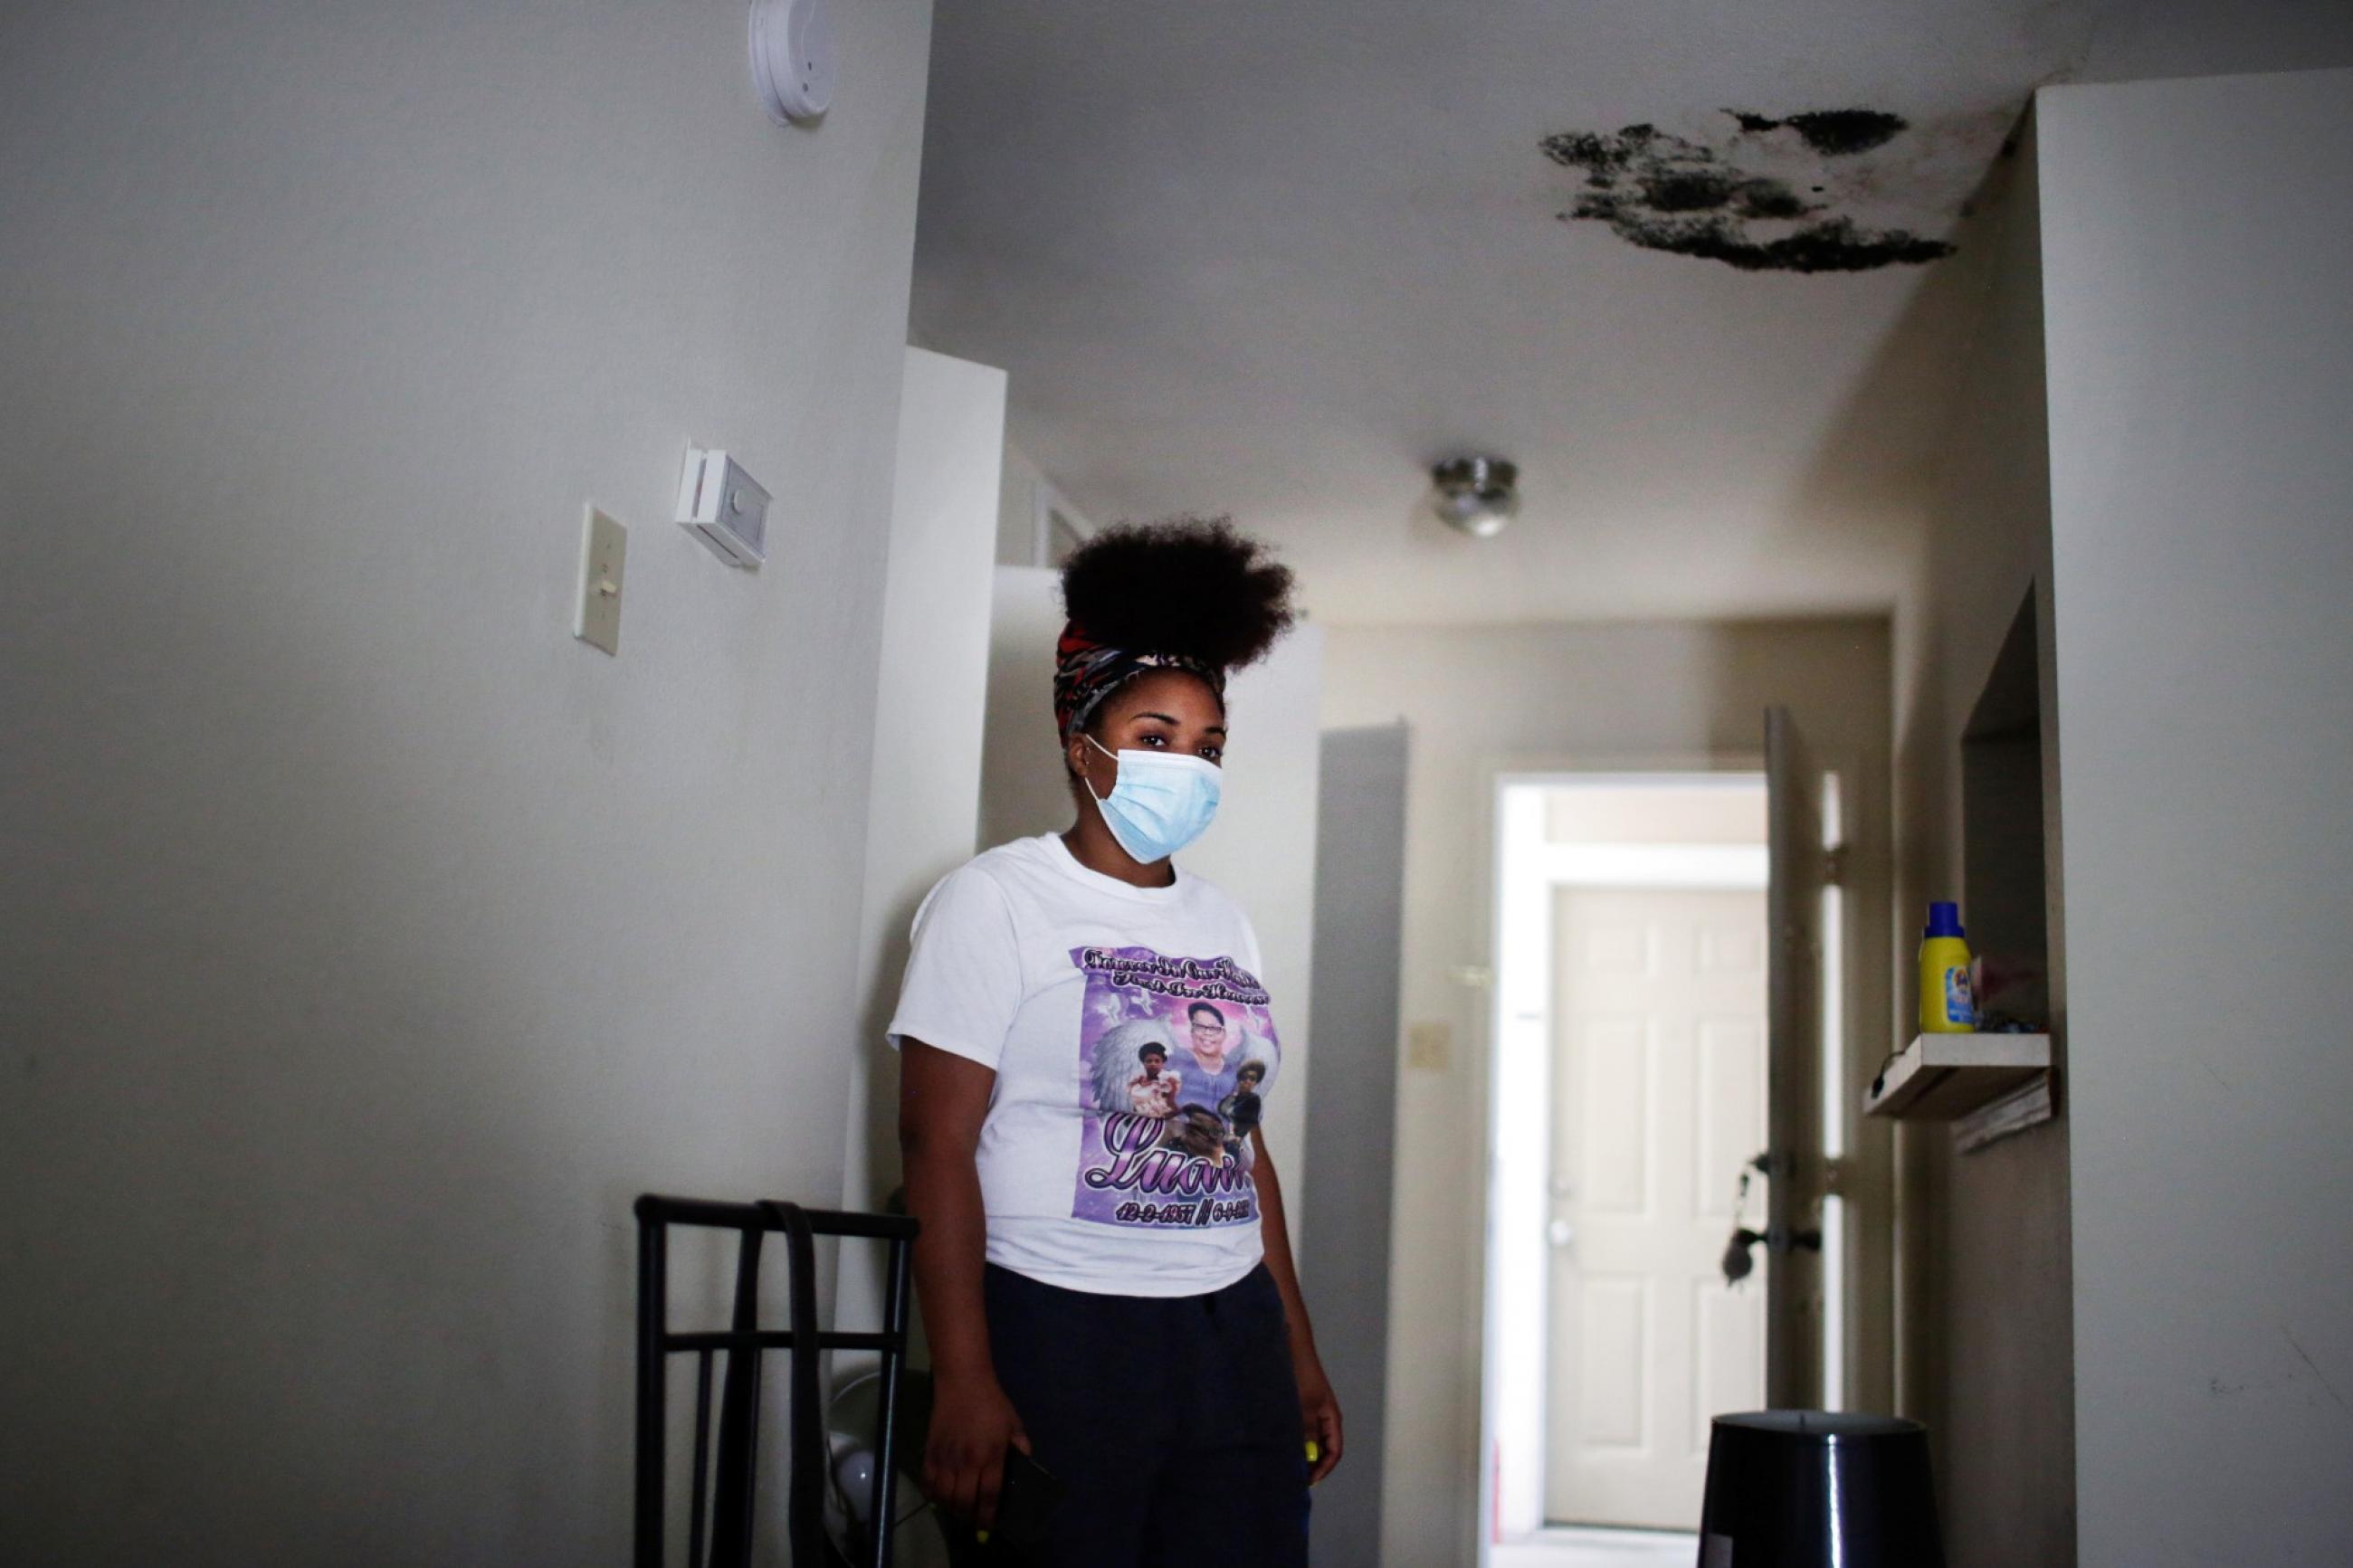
(1737, 204)
(1833, 132)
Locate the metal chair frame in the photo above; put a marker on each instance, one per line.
(723, 1499)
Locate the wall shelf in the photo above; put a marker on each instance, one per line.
(1942, 1078)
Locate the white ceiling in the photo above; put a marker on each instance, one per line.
(1272, 257)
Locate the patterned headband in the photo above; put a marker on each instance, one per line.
(1087, 671)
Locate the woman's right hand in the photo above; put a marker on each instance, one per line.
(964, 1459)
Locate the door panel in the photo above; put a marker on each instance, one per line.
(1659, 1083)
(1614, 1064)
(1730, 1092)
(1729, 1354)
(1613, 1317)
(1793, 1263)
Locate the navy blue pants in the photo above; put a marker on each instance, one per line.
(1172, 1422)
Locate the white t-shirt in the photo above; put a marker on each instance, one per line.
(1069, 982)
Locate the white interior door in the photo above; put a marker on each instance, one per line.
(1659, 1083)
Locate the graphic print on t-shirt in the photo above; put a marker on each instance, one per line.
(1176, 1055)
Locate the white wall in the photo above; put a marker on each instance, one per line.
(1263, 851)
(1022, 486)
(1016, 509)
(1985, 1284)
(1262, 848)
(2201, 336)
(370, 942)
(1021, 788)
(923, 807)
(1477, 699)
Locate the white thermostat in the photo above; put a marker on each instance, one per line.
(793, 57)
(725, 507)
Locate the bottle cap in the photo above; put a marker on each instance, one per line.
(1943, 920)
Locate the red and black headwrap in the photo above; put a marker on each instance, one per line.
(1189, 595)
(1087, 671)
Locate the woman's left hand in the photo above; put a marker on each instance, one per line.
(1319, 1415)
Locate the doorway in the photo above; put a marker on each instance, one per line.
(1630, 1062)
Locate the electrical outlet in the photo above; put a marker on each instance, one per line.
(1428, 1048)
(603, 551)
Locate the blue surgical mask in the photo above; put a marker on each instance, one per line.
(1162, 802)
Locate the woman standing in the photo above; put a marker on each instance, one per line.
(1105, 1277)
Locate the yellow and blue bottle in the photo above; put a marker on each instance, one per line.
(1947, 1006)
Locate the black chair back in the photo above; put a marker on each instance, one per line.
(722, 1497)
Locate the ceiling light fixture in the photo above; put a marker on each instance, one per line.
(1477, 495)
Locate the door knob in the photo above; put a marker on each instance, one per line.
(1739, 1265)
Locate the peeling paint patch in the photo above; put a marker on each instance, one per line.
(1762, 200)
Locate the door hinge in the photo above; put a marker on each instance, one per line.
(1838, 1173)
(1834, 867)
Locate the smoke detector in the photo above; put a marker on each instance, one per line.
(1477, 495)
(794, 59)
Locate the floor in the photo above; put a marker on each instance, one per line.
(1570, 1546)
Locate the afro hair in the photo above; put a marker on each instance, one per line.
(1190, 586)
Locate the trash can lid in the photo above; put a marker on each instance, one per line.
(1822, 1426)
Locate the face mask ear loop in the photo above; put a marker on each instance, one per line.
(1098, 746)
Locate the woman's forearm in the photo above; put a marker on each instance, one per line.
(1319, 1408)
(1274, 1237)
(943, 1194)
(942, 1102)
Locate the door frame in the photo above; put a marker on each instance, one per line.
(1867, 973)
(1515, 1511)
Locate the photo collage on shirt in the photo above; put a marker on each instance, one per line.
(1176, 1059)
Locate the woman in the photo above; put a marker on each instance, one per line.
(1105, 1277)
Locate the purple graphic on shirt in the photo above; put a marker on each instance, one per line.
(1176, 1055)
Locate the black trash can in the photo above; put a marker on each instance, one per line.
(1816, 1489)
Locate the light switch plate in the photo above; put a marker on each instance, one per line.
(603, 551)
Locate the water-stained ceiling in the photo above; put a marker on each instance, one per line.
(1680, 260)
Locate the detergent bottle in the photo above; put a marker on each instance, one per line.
(1947, 1006)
